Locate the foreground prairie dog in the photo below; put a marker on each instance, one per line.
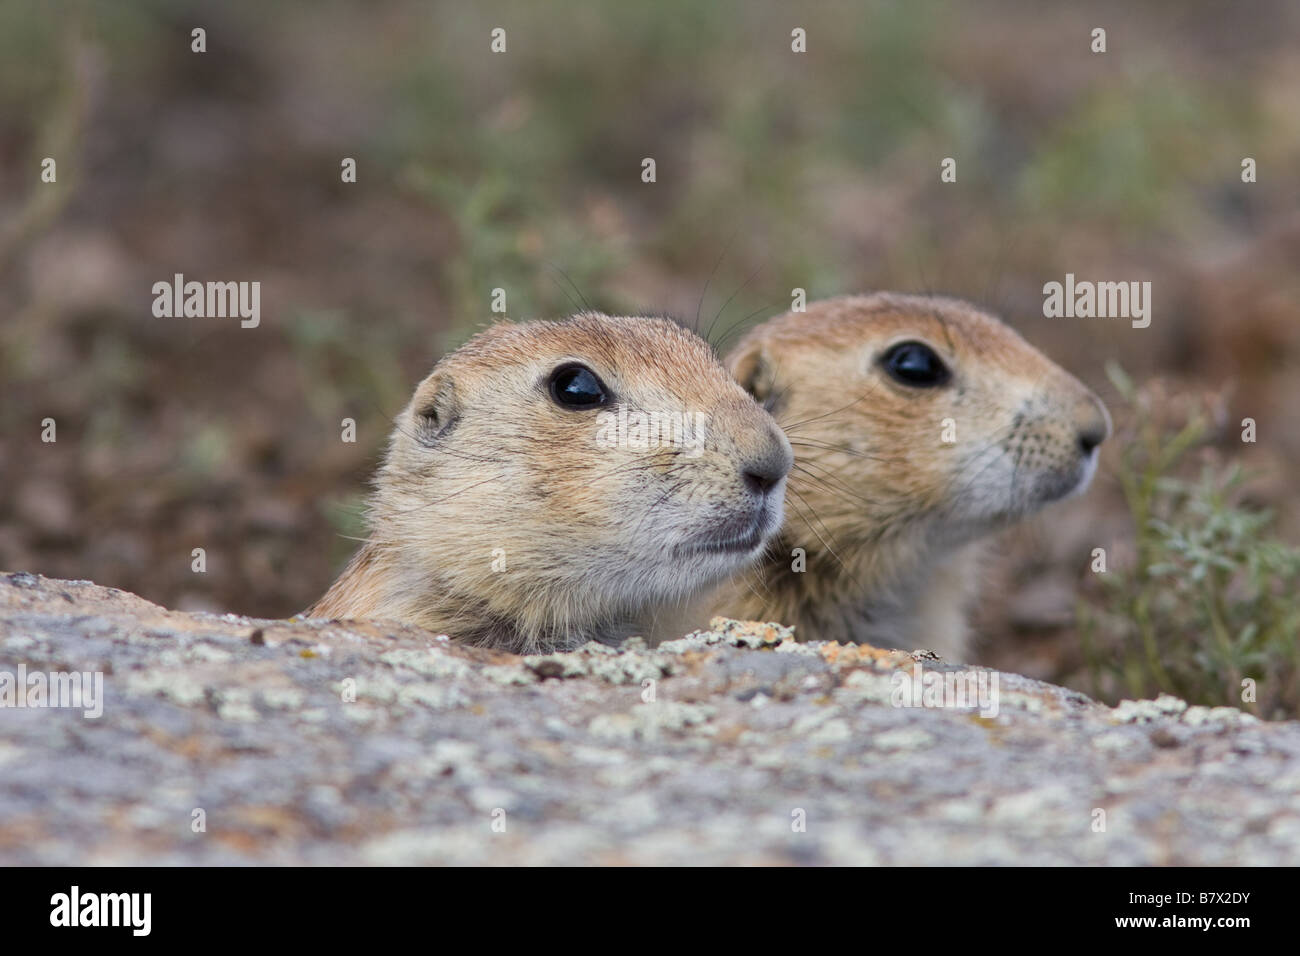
(920, 425)
(552, 483)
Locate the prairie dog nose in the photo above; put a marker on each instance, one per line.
(766, 458)
(760, 450)
(1092, 423)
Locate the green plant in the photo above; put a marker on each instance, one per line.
(1210, 602)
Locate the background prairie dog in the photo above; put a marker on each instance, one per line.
(919, 426)
(513, 510)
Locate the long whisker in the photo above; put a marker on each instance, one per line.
(741, 288)
(740, 325)
(829, 482)
(842, 449)
(705, 291)
(586, 304)
(438, 501)
(813, 529)
(835, 411)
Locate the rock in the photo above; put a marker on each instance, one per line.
(228, 740)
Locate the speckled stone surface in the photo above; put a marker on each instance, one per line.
(730, 746)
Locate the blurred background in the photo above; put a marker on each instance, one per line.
(522, 171)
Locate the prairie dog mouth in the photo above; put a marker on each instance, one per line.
(738, 536)
(1060, 485)
(1086, 471)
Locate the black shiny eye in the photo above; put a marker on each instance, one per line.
(915, 364)
(577, 387)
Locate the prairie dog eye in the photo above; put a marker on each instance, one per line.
(576, 388)
(915, 364)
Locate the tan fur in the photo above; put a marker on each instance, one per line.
(890, 516)
(484, 466)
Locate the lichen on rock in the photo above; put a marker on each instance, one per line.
(318, 742)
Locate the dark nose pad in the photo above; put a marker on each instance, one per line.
(1090, 439)
(1094, 426)
(764, 471)
(761, 480)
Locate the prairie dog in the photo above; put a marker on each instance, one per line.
(525, 504)
(920, 425)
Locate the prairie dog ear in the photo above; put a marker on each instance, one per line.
(435, 409)
(751, 366)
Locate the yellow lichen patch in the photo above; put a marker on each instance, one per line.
(851, 655)
(751, 633)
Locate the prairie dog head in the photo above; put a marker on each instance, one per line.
(938, 417)
(552, 480)
(919, 425)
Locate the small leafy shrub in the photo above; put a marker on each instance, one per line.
(1209, 602)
